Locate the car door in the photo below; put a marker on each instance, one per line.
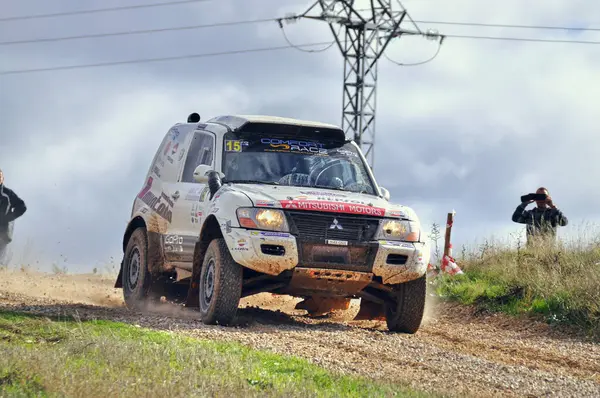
(187, 210)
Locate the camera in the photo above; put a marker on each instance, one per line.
(533, 196)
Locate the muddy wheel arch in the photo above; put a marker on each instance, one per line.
(210, 230)
(156, 255)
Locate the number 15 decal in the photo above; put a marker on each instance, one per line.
(233, 146)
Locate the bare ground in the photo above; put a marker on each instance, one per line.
(458, 351)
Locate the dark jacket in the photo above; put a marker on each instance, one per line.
(539, 221)
(11, 208)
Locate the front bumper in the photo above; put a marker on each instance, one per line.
(275, 252)
(399, 262)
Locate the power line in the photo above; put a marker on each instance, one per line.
(137, 32)
(148, 60)
(512, 26)
(523, 39)
(97, 10)
(417, 63)
(264, 49)
(256, 21)
(300, 49)
(490, 25)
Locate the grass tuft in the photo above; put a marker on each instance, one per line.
(558, 282)
(51, 357)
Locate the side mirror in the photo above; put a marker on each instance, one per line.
(385, 193)
(201, 173)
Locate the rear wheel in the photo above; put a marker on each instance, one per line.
(136, 278)
(220, 286)
(406, 314)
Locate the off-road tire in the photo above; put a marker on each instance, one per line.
(136, 279)
(220, 286)
(407, 314)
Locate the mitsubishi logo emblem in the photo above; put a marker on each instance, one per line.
(335, 224)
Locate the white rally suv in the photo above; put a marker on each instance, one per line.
(240, 205)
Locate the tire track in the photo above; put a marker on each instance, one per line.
(456, 352)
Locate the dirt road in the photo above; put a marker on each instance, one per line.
(457, 351)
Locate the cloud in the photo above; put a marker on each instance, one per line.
(80, 175)
(483, 123)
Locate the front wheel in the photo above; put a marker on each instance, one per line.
(220, 286)
(406, 314)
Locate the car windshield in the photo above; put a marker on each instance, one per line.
(282, 161)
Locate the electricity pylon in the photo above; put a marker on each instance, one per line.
(363, 36)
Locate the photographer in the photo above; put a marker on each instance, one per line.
(542, 220)
(11, 208)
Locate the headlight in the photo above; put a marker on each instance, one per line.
(267, 219)
(403, 230)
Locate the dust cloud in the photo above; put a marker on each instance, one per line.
(91, 289)
(98, 290)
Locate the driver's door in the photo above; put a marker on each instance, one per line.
(187, 211)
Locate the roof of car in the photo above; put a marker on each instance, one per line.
(235, 121)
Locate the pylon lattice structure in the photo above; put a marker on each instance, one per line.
(363, 36)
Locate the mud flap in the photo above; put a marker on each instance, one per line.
(370, 310)
(193, 299)
(319, 306)
(119, 281)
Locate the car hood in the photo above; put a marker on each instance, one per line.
(319, 199)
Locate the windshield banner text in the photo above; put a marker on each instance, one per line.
(294, 146)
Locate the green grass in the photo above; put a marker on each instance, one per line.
(560, 283)
(49, 357)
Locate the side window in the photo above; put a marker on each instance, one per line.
(201, 152)
(167, 161)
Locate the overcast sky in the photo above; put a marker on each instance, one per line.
(483, 123)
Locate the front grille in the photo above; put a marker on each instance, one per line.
(312, 226)
(313, 230)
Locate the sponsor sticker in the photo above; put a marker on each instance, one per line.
(174, 240)
(194, 194)
(320, 193)
(242, 245)
(204, 194)
(174, 249)
(337, 242)
(270, 233)
(344, 152)
(162, 205)
(397, 244)
(173, 144)
(419, 255)
(293, 146)
(397, 213)
(334, 207)
(196, 212)
(265, 203)
(330, 198)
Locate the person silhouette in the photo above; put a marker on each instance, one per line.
(541, 221)
(11, 208)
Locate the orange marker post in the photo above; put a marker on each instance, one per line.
(447, 242)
